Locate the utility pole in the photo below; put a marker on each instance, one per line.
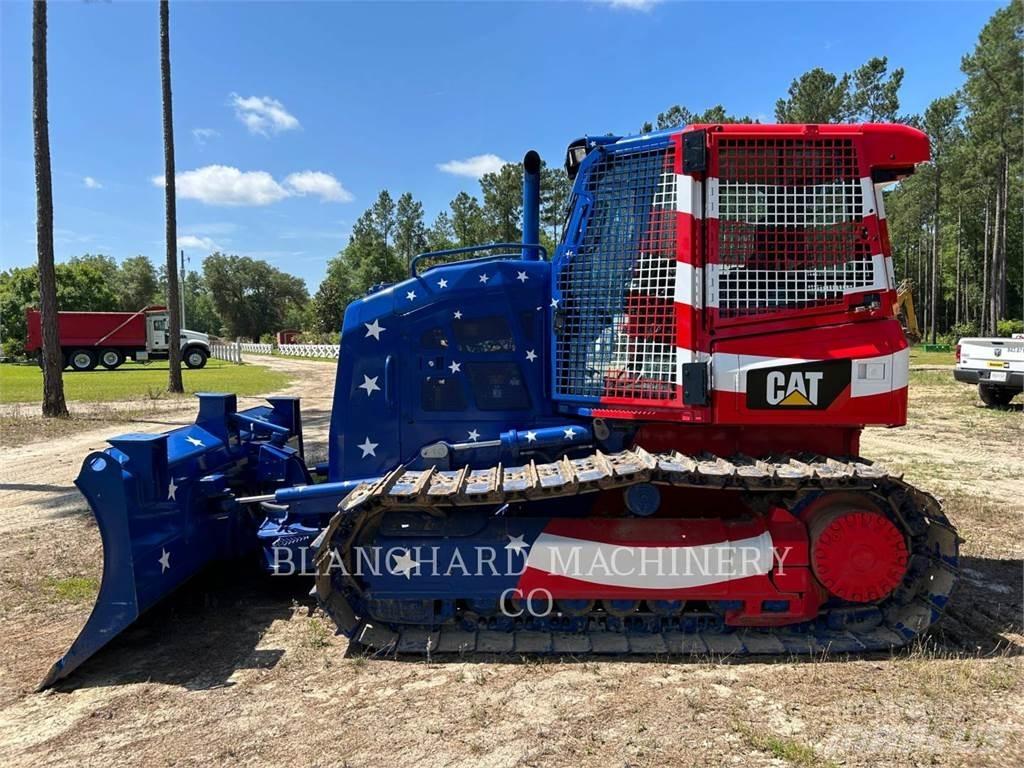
(181, 286)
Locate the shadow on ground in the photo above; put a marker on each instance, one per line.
(201, 635)
(208, 630)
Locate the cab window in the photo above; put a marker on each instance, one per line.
(484, 334)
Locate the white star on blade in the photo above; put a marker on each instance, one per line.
(368, 448)
(404, 564)
(569, 434)
(473, 435)
(516, 544)
(195, 441)
(370, 385)
(171, 490)
(455, 367)
(484, 278)
(554, 303)
(411, 295)
(164, 560)
(531, 437)
(374, 329)
(522, 277)
(531, 355)
(442, 283)
(458, 315)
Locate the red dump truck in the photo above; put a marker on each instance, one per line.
(88, 339)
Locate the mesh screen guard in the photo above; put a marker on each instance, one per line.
(791, 231)
(617, 321)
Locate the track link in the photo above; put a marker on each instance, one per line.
(912, 607)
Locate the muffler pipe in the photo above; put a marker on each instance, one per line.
(531, 205)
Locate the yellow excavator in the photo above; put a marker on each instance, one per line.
(904, 309)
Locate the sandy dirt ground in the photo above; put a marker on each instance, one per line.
(240, 669)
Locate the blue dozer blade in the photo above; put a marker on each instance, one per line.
(166, 506)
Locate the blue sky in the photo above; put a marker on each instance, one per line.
(289, 118)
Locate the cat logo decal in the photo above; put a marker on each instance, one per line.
(813, 385)
(798, 388)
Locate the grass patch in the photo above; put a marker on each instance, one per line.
(133, 381)
(919, 357)
(317, 635)
(782, 747)
(74, 589)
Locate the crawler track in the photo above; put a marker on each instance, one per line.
(908, 611)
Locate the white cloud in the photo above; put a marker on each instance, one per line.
(197, 243)
(91, 183)
(632, 5)
(263, 115)
(226, 185)
(473, 167)
(318, 183)
(203, 135)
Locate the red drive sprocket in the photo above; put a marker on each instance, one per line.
(857, 552)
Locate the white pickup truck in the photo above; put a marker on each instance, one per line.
(995, 365)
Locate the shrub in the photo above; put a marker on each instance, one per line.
(1009, 327)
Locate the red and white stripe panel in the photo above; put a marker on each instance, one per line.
(662, 559)
(691, 344)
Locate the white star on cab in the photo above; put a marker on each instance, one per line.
(484, 278)
(368, 448)
(171, 490)
(411, 295)
(455, 367)
(522, 277)
(442, 283)
(531, 437)
(164, 560)
(569, 434)
(458, 315)
(404, 564)
(374, 329)
(516, 544)
(369, 384)
(473, 435)
(531, 355)
(554, 303)
(195, 441)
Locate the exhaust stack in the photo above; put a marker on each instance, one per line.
(531, 204)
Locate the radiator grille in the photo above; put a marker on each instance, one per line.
(617, 319)
(791, 232)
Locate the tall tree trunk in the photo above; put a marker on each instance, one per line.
(52, 357)
(936, 237)
(983, 314)
(993, 270)
(174, 383)
(1004, 256)
(956, 292)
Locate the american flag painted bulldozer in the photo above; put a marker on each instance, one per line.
(644, 442)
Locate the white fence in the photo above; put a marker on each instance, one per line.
(230, 352)
(258, 349)
(309, 350)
